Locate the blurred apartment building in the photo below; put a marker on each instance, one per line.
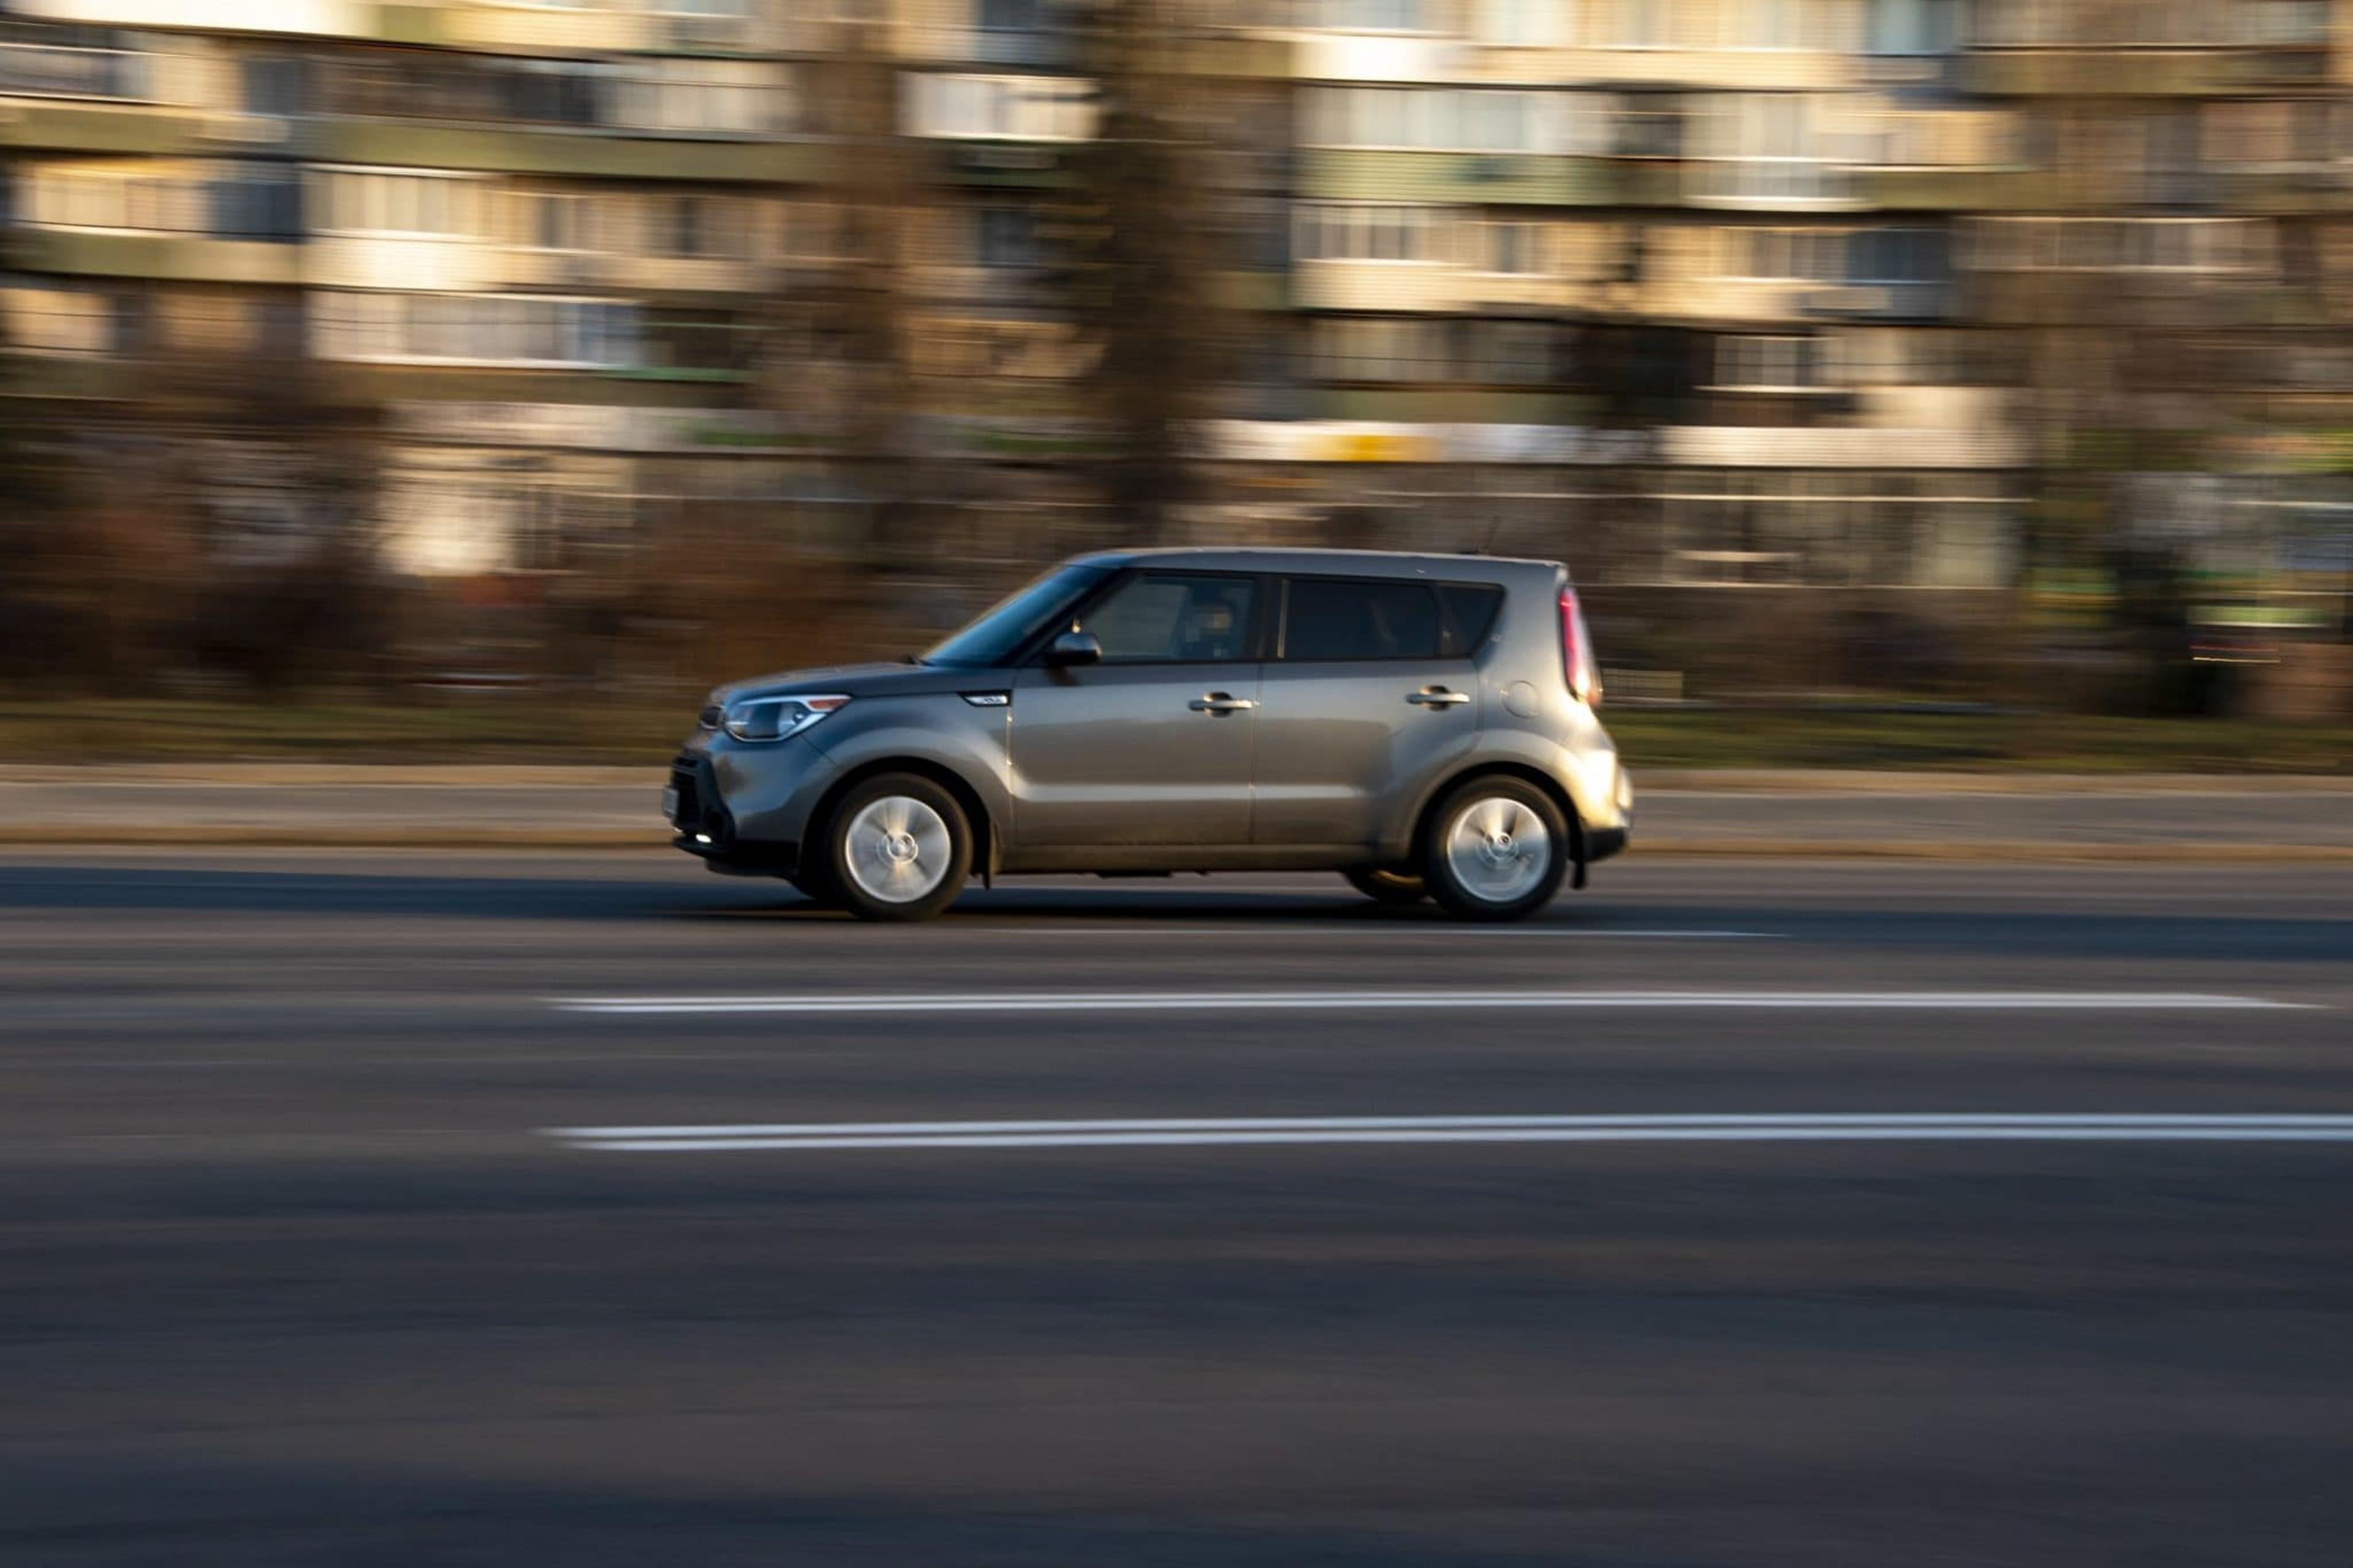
(1690, 291)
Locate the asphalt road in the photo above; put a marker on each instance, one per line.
(305, 1260)
(296, 806)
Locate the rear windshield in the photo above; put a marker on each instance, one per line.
(1001, 632)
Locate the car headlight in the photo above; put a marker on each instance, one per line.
(775, 718)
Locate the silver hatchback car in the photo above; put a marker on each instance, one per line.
(1423, 724)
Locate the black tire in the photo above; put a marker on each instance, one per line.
(857, 876)
(812, 884)
(1397, 889)
(1517, 887)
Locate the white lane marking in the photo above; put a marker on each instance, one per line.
(1304, 1001)
(2004, 1127)
(1258, 931)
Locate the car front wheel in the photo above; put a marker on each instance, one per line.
(1498, 851)
(897, 848)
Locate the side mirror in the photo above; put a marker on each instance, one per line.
(1073, 649)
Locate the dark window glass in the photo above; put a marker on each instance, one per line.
(1009, 238)
(1331, 619)
(1162, 618)
(1008, 15)
(1469, 610)
(273, 85)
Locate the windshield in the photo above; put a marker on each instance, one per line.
(992, 639)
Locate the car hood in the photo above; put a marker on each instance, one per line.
(856, 680)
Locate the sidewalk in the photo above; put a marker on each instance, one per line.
(2145, 817)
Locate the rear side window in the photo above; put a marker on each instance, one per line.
(1470, 614)
(1332, 619)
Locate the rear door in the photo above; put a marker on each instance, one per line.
(1370, 690)
(1155, 745)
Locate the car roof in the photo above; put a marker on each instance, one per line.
(1341, 563)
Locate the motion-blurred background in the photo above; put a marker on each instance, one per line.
(476, 362)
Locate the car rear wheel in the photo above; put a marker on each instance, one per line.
(897, 848)
(1498, 851)
(1384, 885)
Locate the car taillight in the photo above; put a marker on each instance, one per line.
(1576, 652)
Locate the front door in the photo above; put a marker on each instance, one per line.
(1370, 692)
(1154, 745)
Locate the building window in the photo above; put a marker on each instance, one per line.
(2283, 133)
(1368, 15)
(49, 70)
(273, 85)
(1386, 349)
(426, 205)
(1637, 24)
(1788, 255)
(688, 226)
(1004, 108)
(1008, 238)
(1527, 24)
(258, 203)
(1781, 24)
(543, 220)
(522, 330)
(1454, 120)
(1912, 27)
(1009, 16)
(2282, 23)
(1897, 256)
(1331, 231)
(1770, 364)
(73, 323)
(228, 199)
(2121, 245)
(1768, 148)
(1511, 247)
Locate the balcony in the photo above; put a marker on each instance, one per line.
(1415, 286)
(177, 257)
(89, 100)
(639, 277)
(577, 150)
(1485, 179)
(435, 262)
(51, 71)
(1877, 301)
(2282, 189)
(2127, 71)
(393, 23)
(1006, 162)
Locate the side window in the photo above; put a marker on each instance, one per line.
(1470, 611)
(1162, 618)
(1328, 619)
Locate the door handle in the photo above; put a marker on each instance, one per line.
(1435, 697)
(1219, 703)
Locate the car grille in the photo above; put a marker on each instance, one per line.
(685, 779)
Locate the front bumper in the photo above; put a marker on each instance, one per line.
(746, 808)
(702, 825)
